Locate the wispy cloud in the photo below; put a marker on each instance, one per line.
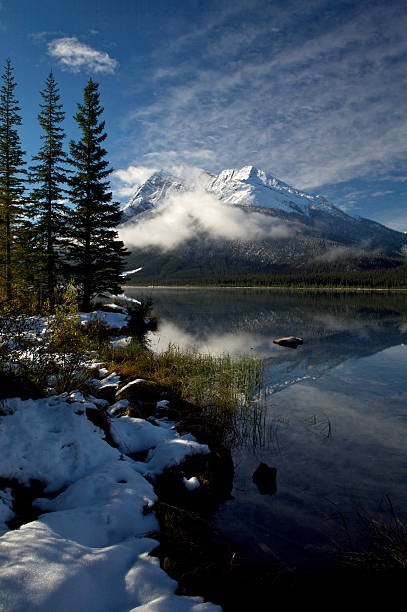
(127, 180)
(74, 55)
(342, 253)
(380, 194)
(313, 106)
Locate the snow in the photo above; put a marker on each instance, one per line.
(116, 307)
(118, 407)
(170, 453)
(104, 507)
(121, 342)
(6, 509)
(163, 404)
(112, 380)
(191, 483)
(45, 571)
(246, 186)
(50, 440)
(127, 299)
(159, 186)
(129, 272)
(130, 384)
(135, 435)
(249, 186)
(101, 299)
(115, 320)
(89, 550)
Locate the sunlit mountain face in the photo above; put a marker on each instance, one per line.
(244, 221)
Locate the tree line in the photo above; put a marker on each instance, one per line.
(58, 220)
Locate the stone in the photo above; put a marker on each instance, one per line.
(289, 341)
(265, 478)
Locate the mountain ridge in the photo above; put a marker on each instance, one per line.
(239, 186)
(320, 232)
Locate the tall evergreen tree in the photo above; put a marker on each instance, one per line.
(12, 204)
(96, 254)
(49, 175)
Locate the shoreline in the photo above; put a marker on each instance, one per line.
(273, 288)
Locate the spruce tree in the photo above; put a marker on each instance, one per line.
(49, 175)
(96, 255)
(12, 204)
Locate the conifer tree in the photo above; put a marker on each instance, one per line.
(49, 175)
(12, 204)
(96, 254)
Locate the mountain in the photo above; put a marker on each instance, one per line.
(317, 234)
(152, 193)
(249, 186)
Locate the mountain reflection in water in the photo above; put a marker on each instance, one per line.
(335, 427)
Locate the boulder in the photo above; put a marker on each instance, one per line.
(265, 477)
(290, 341)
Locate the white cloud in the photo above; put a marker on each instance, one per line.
(75, 56)
(343, 253)
(127, 180)
(313, 109)
(183, 215)
(379, 194)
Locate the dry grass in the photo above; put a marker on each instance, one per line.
(384, 543)
(226, 389)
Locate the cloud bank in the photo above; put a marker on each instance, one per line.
(75, 56)
(182, 216)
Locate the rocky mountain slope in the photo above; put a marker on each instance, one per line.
(319, 234)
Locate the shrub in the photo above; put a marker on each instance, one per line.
(44, 353)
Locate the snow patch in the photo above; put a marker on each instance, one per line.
(191, 483)
(136, 435)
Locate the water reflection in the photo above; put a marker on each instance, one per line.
(335, 327)
(335, 421)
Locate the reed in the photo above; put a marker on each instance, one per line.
(226, 389)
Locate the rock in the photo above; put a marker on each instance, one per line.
(265, 478)
(290, 341)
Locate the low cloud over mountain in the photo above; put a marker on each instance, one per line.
(243, 220)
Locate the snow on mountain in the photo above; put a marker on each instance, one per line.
(245, 220)
(152, 193)
(245, 187)
(249, 186)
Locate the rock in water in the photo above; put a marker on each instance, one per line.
(265, 477)
(290, 341)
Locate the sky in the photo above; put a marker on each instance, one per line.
(314, 93)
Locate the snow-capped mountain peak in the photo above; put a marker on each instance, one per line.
(152, 193)
(249, 186)
(246, 187)
(252, 223)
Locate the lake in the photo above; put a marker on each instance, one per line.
(335, 425)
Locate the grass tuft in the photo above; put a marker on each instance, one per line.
(226, 389)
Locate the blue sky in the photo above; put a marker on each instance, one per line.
(312, 92)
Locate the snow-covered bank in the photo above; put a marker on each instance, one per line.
(89, 550)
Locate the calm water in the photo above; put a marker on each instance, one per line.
(335, 426)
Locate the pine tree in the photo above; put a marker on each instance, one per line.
(49, 174)
(96, 254)
(12, 204)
